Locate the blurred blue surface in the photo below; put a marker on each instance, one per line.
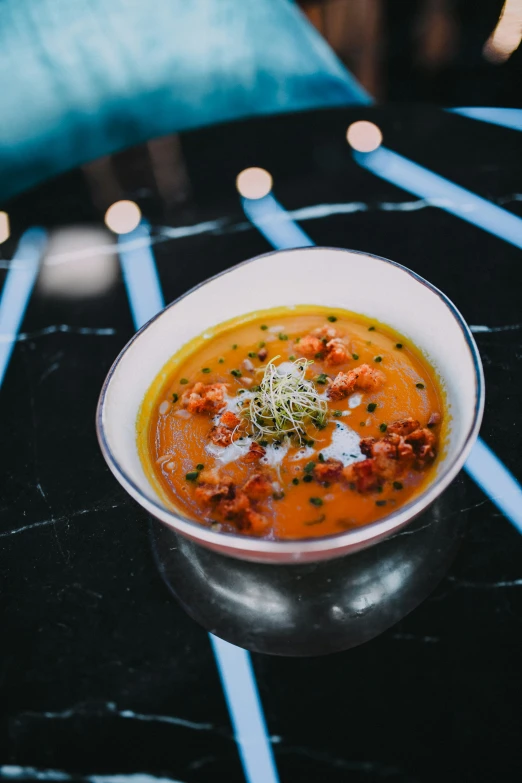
(84, 78)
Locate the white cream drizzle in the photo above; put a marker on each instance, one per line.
(344, 445)
(355, 400)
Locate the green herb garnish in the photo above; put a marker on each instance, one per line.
(282, 336)
(183, 380)
(377, 358)
(419, 385)
(321, 458)
(397, 485)
(308, 468)
(337, 414)
(355, 356)
(221, 360)
(316, 521)
(264, 327)
(322, 378)
(332, 318)
(193, 475)
(175, 397)
(291, 358)
(206, 370)
(380, 502)
(371, 407)
(383, 427)
(308, 478)
(252, 354)
(398, 345)
(200, 466)
(236, 373)
(316, 501)
(295, 481)
(371, 328)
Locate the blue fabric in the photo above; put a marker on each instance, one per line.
(84, 78)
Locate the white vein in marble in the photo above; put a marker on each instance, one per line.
(14, 772)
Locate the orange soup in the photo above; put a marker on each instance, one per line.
(295, 423)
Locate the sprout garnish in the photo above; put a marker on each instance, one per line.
(285, 403)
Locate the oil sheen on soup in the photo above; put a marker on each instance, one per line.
(295, 423)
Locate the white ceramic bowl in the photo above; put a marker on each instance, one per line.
(362, 283)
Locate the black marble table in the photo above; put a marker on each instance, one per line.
(102, 673)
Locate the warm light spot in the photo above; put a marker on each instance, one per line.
(81, 261)
(4, 227)
(254, 183)
(507, 35)
(122, 217)
(364, 136)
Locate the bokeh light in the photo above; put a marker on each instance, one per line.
(364, 136)
(507, 35)
(80, 261)
(5, 230)
(254, 183)
(122, 217)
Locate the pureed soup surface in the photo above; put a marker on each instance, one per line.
(300, 422)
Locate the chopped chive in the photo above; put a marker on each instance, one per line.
(241, 391)
(383, 427)
(192, 476)
(371, 328)
(379, 489)
(262, 344)
(278, 495)
(371, 407)
(282, 336)
(236, 373)
(252, 354)
(362, 424)
(377, 358)
(175, 397)
(398, 345)
(324, 340)
(255, 388)
(234, 346)
(322, 378)
(221, 360)
(316, 501)
(310, 442)
(309, 467)
(308, 478)
(295, 481)
(380, 502)
(316, 521)
(337, 414)
(264, 327)
(419, 385)
(297, 340)
(321, 458)
(355, 356)
(332, 318)
(263, 443)
(200, 466)
(183, 380)
(292, 358)
(397, 485)
(206, 369)
(318, 355)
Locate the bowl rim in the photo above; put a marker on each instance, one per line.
(355, 538)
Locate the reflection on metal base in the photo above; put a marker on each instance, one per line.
(317, 608)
